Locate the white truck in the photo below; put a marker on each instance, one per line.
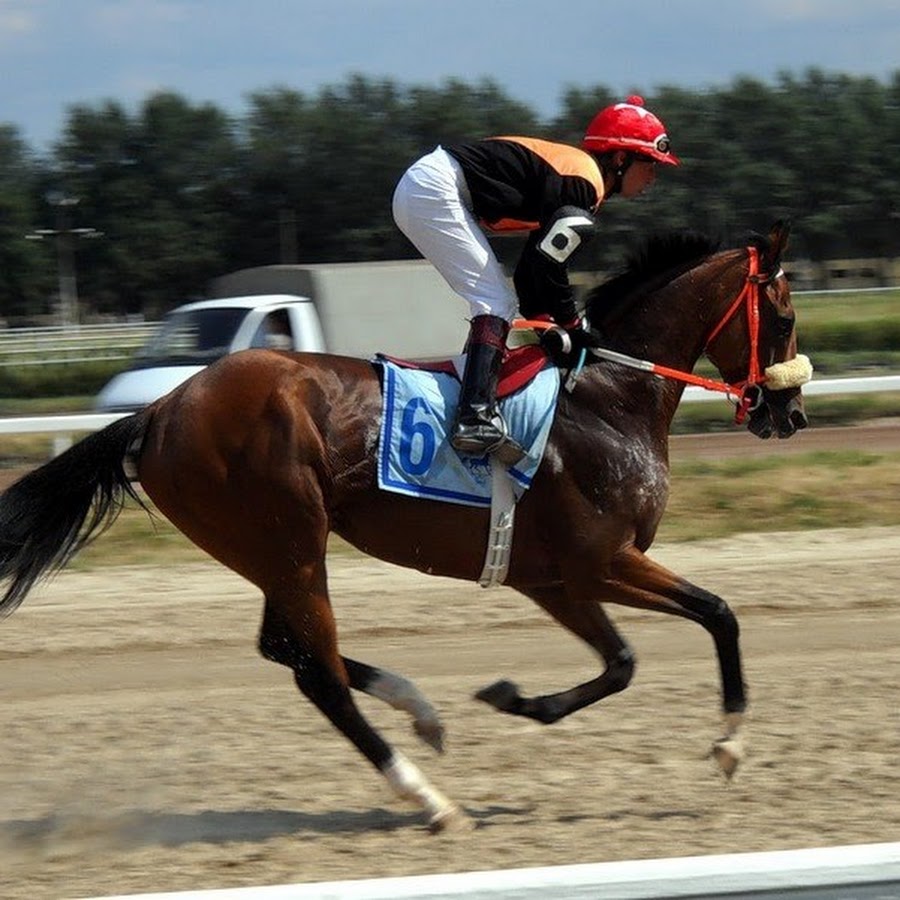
(402, 308)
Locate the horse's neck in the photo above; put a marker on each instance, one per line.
(670, 327)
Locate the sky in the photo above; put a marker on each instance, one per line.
(55, 53)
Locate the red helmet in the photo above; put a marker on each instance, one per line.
(628, 126)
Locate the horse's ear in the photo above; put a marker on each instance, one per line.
(777, 244)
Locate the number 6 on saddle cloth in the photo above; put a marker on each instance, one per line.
(414, 454)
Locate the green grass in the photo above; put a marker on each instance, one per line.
(57, 379)
(40, 406)
(817, 309)
(837, 363)
(850, 332)
(847, 409)
(845, 488)
(139, 539)
(817, 490)
(834, 489)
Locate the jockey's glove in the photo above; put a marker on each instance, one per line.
(564, 343)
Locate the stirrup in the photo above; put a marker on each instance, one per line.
(497, 443)
(476, 439)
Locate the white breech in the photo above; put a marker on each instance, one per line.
(432, 207)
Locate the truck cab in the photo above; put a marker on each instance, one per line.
(197, 334)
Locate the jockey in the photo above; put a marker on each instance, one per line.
(447, 201)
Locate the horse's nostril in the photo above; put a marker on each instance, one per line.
(799, 420)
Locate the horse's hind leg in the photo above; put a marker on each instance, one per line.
(589, 621)
(298, 631)
(400, 693)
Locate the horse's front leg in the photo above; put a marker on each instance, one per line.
(641, 582)
(586, 619)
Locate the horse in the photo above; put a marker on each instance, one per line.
(258, 457)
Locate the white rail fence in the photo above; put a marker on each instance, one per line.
(86, 343)
(64, 427)
(860, 872)
(817, 387)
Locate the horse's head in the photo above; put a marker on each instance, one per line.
(760, 349)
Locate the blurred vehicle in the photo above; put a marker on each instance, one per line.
(197, 334)
(354, 309)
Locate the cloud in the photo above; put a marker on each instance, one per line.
(60, 52)
(17, 18)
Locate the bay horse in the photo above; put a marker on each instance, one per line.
(262, 454)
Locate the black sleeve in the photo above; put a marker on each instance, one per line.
(541, 278)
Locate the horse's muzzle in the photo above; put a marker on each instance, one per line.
(781, 413)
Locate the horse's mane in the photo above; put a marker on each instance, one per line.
(651, 265)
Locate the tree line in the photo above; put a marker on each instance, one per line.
(151, 203)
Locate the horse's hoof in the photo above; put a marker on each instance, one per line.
(432, 733)
(728, 753)
(452, 819)
(502, 695)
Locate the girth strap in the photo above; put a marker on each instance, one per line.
(500, 535)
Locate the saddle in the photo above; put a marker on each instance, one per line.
(520, 367)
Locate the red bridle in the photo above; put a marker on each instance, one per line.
(747, 392)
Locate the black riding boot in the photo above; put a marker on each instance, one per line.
(479, 428)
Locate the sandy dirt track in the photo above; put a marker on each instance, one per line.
(145, 745)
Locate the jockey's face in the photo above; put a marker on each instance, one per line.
(638, 176)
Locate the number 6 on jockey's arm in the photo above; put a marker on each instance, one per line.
(541, 277)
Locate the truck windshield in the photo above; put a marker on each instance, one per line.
(192, 338)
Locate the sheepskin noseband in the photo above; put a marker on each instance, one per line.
(789, 374)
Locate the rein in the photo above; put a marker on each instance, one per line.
(748, 392)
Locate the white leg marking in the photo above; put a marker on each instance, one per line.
(410, 784)
(728, 751)
(402, 694)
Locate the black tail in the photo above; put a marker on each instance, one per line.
(50, 514)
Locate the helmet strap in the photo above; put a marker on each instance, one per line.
(618, 171)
